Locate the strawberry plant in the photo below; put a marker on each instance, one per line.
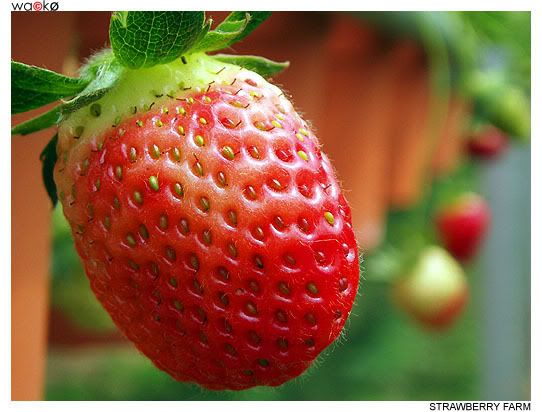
(211, 226)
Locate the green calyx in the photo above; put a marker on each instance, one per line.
(139, 40)
(166, 49)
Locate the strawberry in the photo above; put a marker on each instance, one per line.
(211, 226)
(487, 143)
(435, 292)
(463, 224)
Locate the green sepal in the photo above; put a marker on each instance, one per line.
(102, 72)
(206, 28)
(256, 18)
(235, 27)
(41, 122)
(105, 72)
(224, 34)
(33, 87)
(146, 39)
(264, 67)
(48, 159)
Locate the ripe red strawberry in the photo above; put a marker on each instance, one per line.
(435, 292)
(463, 224)
(487, 143)
(211, 226)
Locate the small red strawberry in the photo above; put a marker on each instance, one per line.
(435, 292)
(463, 224)
(211, 226)
(487, 143)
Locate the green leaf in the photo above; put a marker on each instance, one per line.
(106, 71)
(48, 159)
(33, 87)
(145, 39)
(264, 67)
(235, 27)
(41, 122)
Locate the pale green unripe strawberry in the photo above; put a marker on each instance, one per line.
(435, 291)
